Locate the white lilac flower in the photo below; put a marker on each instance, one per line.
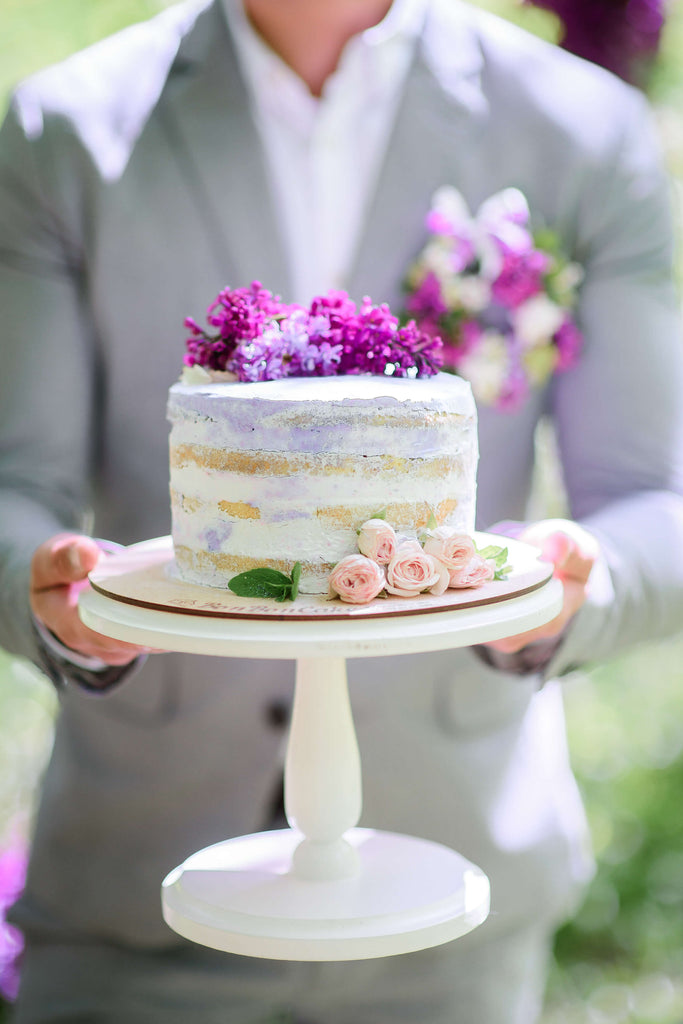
(508, 205)
(536, 320)
(486, 366)
(449, 203)
(490, 255)
(437, 259)
(474, 293)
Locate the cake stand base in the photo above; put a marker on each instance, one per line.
(241, 896)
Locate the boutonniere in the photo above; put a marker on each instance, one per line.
(498, 294)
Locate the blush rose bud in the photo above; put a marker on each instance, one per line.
(357, 580)
(411, 571)
(454, 550)
(377, 540)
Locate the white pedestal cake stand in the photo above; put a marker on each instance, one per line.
(322, 889)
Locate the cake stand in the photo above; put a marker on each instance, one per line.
(322, 889)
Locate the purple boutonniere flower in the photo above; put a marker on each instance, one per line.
(500, 296)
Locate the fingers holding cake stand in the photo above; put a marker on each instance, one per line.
(322, 889)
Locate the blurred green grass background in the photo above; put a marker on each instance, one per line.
(621, 960)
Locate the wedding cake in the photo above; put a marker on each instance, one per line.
(275, 472)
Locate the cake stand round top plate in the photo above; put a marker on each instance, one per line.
(137, 596)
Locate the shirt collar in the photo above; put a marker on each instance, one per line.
(261, 65)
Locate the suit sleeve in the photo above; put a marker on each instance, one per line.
(619, 412)
(47, 372)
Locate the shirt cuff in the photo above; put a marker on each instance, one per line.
(55, 647)
(63, 666)
(91, 675)
(530, 660)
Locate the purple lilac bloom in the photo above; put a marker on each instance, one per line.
(372, 342)
(427, 300)
(12, 875)
(569, 341)
(617, 34)
(521, 276)
(238, 314)
(469, 335)
(259, 338)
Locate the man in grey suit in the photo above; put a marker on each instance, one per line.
(136, 180)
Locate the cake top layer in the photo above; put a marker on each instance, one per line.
(367, 415)
(451, 393)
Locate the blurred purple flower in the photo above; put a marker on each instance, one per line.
(520, 277)
(12, 876)
(568, 341)
(504, 322)
(617, 34)
(427, 300)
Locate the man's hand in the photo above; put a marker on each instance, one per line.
(59, 571)
(573, 552)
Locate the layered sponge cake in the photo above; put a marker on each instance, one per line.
(278, 472)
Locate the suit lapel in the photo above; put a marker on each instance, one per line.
(437, 130)
(205, 114)
(443, 112)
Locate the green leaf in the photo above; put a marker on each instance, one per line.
(265, 582)
(296, 576)
(432, 523)
(495, 553)
(499, 557)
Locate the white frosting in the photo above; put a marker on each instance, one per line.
(451, 392)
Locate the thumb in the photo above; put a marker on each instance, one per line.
(571, 548)
(66, 558)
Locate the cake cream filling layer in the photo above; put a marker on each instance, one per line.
(274, 473)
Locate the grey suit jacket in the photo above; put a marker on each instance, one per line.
(133, 187)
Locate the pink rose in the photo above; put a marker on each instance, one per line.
(452, 549)
(357, 579)
(411, 571)
(377, 540)
(477, 572)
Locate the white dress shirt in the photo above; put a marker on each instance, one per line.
(323, 155)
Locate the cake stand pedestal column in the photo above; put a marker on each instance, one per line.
(323, 792)
(322, 889)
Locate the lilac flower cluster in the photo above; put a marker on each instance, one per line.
(500, 297)
(257, 337)
(12, 875)
(617, 34)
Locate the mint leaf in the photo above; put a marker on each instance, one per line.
(296, 576)
(492, 551)
(264, 582)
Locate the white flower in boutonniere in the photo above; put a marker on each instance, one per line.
(499, 295)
